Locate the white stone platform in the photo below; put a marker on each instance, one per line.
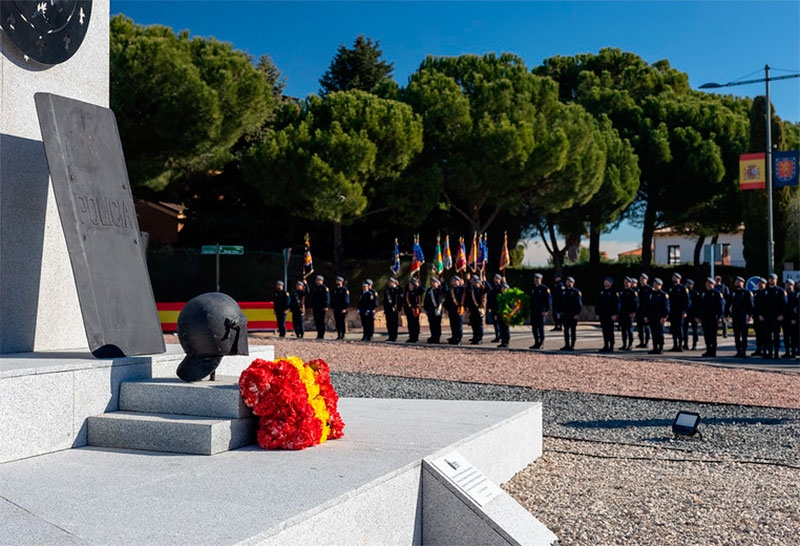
(379, 484)
(46, 398)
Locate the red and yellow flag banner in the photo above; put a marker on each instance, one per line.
(752, 171)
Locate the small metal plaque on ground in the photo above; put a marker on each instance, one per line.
(90, 182)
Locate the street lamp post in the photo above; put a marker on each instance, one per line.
(766, 80)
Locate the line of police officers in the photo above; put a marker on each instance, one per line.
(650, 306)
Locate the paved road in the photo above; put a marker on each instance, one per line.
(589, 340)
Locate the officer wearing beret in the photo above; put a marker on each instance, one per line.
(541, 302)
(367, 303)
(571, 307)
(320, 301)
(657, 313)
(711, 311)
(644, 292)
(280, 305)
(392, 305)
(340, 304)
(628, 306)
(790, 333)
(607, 310)
(678, 309)
(740, 308)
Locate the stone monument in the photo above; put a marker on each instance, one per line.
(39, 305)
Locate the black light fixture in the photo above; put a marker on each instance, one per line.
(685, 423)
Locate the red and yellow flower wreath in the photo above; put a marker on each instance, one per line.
(294, 400)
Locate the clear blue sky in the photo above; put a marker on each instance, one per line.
(712, 41)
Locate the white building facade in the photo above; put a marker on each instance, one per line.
(674, 248)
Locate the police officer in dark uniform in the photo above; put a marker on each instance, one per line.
(790, 341)
(557, 294)
(691, 314)
(678, 308)
(642, 317)
(771, 314)
(628, 305)
(280, 305)
(476, 304)
(367, 303)
(454, 304)
(412, 304)
(740, 308)
(758, 325)
(505, 332)
(392, 305)
(726, 293)
(571, 307)
(712, 308)
(607, 310)
(320, 301)
(541, 301)
(298, 307)
(433, 305)
(340, 304)
(492, 308)
(657, 313)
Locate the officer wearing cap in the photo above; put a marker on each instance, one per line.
(557, 294)
(657, 313)
(628, 305)
(280, 305)
(320, 301)
(571, 307)
(771, 314)
(607, 310)
(644, 292)
(492, 306)
(726, 293)
(454, 304)
(692, 314)
(739, 306)
(711, 310)
(678, 309)
(298, 307)
(392, 305)
(476, 304)
(790, 333)
(412, 304)
(541, 301)
(367, 303)
(340, 305)
(433, 305)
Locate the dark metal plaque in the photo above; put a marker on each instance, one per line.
(90, 182)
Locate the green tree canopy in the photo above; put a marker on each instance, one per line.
(181, 103)
(360, 67)
(332, 153)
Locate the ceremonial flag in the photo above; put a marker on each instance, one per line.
(505, 257)
(419, 257)
(438, 265)
(473, 253)
(395, 267)
(461, 257)
(752, 172)
(784, 168)
(447, 263)
(308, 263)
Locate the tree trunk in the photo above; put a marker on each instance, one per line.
(573, 247)
(594, 245)
(648, 229)
(338, 249)
(556, 253)
(698, 247)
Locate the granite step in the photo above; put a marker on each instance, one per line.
(219, 398)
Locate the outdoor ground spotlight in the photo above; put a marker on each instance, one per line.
(685, 423)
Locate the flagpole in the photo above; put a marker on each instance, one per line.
(770, 233)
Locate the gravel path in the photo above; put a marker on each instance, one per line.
(611, 473)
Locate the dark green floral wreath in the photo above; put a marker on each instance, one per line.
(515, 306)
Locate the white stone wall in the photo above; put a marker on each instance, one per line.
(39, 307)
(663, 239)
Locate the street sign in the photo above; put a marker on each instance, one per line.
(208, 249)
(225, 250)
(752, 284)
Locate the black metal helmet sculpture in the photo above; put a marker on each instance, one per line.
(210, 326)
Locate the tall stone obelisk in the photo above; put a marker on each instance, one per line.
(39, 307)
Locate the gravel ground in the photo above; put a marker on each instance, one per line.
(611, 473)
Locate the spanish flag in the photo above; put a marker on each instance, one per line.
(752, 171)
